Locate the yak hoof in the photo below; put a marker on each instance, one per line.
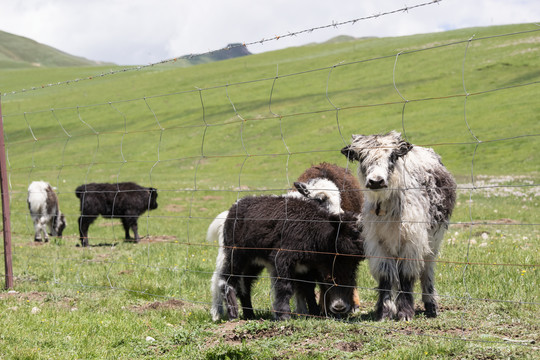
(431, 310)
(386, 310)
(405, 314)
(282, 316)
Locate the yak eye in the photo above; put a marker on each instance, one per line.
(393, 157)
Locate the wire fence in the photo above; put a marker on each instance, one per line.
(206, 148)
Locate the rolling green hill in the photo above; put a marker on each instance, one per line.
(20, 52)
(499, 69)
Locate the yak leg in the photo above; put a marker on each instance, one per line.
(304, 293)
(228, 285)
(130, 222)
(283, 291)
(84, 224)
(387, 274)
(230, 298)
(385, 307)
(429, 294)
(245, 283)
(405, 299)
(305, 298)
(38, 233)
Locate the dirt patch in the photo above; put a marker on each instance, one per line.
(171, 304)
(233, 332)
(35, 243)
(157, 239)
(175, 208)
(349, 346)
(212, 197)
(110, 223)
(38, 296)
(503, 221)
(227, 328)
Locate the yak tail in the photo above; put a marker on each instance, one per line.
(215, 230)
(80, 190)
(221, 291)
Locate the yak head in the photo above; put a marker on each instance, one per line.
(339, 280)
(323, 191)
(59, 224)
(378, 155)
(152, 201)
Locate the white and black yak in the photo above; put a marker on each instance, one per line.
(408, 201)
(125, 201)
(299, 242)
(45, 211)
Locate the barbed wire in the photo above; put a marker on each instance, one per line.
(334, 24)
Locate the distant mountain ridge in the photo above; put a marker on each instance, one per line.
(231, 51)
(21, 52)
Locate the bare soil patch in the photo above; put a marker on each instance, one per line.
(171, 304)
(175, 208)
(349, 346)
(38, 296)
(212, 197)
(503, 221)
(231, 332)
(157, 239)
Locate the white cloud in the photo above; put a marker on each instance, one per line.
(141, 32)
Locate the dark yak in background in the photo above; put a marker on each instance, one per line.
(125, 201)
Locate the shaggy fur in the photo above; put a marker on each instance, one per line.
(126, 201)
(347, 183)
(294, 239)
(409, 199)
(45, 211)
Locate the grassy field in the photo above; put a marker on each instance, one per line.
(207, 135)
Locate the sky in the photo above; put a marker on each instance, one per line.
(140, 32)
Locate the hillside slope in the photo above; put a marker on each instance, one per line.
(228, 108)
(20, 52)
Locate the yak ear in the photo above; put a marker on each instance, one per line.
(403, 148)
(350, 153)
(153, 192)
(302, 188)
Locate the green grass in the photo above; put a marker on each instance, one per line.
(177, 130)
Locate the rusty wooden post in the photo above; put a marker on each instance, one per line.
(6, 215)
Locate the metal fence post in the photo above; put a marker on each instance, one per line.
(6, 215)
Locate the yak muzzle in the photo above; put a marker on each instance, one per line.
(376, 183)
